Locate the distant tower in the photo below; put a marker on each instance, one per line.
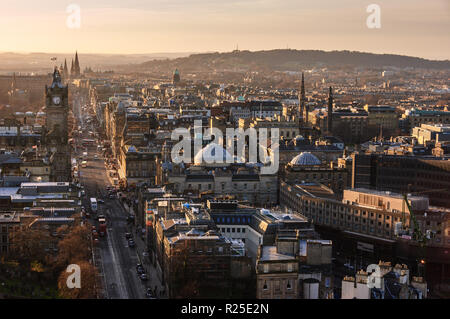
(14, 82)
(72, 70)
(66, 70)
(330, 111)
(77, 65)
(302, 104)
(56, 126)
(176, 77)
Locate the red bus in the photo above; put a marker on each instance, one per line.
(87, 142)
(102, 227)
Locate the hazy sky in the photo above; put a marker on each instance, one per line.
(410, 27)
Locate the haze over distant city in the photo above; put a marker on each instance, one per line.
(408, 27)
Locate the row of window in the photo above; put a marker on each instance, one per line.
(314, 176)
(209, 186)
(233, 230)
(233, 220)
(138, 174)
(276, 285)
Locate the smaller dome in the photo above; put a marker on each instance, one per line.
(305, 159)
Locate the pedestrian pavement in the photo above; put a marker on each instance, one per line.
(154, 280)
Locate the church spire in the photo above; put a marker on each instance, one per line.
(303, 85)
(72, 70)
(77, 65)
(66, 70)
(303, 110)
(330, 110)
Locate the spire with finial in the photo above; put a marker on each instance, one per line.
(303, 111)
(330, 110)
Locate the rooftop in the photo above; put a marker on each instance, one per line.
(269, 253)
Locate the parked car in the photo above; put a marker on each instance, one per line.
(100, 201)
(149, 293)
(130, 218)
(140, 270)
(143, 277)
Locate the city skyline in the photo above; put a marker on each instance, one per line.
(108, 27)
(226, 150)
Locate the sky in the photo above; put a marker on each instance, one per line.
(408, 27)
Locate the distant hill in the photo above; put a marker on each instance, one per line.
(288, 60)
(41, 62)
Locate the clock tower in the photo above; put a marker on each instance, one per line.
(56, 130)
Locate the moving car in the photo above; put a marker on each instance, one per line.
(93, 204)
(131, 243)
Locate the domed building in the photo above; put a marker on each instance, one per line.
(307, 168)
(305, 159)
(213, 154)
(210, 176)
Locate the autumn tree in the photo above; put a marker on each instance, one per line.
(75, 247)
(87, 290)
(29, 245)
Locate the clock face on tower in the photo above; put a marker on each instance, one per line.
(56, 100)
